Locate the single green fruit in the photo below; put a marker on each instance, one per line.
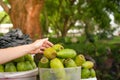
(46, 75)
(58, 69)
(92, 73)
(1, 68)
(33, 64)
(69, 63)
(66, 53)
(85, 73)
(21, 66)
(21, 59)
(50, 53)
(10, 67)
(88, 64)
(58, 47)
(56, 63)
(28, 66)
(29, 57)
(80, 59)
(62, 60)
(43, 63)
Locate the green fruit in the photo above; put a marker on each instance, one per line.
(85, 73)
(92, 73)
(69, 63)
(46, 75)
(50, 53)
(19, 59)
(62, 60)
(29, 57)
(33, 64)
(79, 60)
(1, 68)
(56, 63)
(58, 47)
(88, 64)
(28, 66)
(66, 53)
(58, 69)
(43, 63)
(21, 66)
(10, 67)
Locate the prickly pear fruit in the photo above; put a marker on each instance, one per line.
(58, 47)
(62, 60)
(1, 68)
(10, 67)
(19, 59)
(85, 73)
(92, 73)
(58, 68)
(66, 53)
(44, 62)
(88, 64)
(28, 57)
(69, 63)
(46, 75)
(28, 66)
(56, 63)
(80, 59)
(33, 64)
(50, 53)
(21, 66)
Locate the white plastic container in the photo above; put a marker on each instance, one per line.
(25, 75)
(60, 74)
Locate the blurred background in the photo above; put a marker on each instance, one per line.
(91, 27)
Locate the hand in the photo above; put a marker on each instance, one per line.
(40, 45)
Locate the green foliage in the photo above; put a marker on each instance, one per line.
(7, 19)
(61, 15)
(117, 17)
(5, 1)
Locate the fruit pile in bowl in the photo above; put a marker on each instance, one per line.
(58, 57)
(87, 71)
(57, 63)
(24, 63)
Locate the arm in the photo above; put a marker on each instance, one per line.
(9, 54)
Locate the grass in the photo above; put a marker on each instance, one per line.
(115, 40)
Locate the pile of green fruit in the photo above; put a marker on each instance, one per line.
(88, 70)
(23, 63)
(57, 57)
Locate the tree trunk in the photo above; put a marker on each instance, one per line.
(25, 15)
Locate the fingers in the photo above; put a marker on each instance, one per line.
(40, 45)
(42, 48)
(37, 51)
(40, 42)
(49, 43)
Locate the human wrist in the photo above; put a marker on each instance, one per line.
(30, 47)
(33, 46)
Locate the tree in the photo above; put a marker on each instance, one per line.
(25, 14)
(58, 16)
(93, 15)
(4, 18)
